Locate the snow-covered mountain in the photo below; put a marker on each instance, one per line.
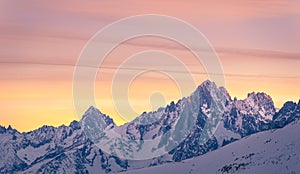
(205, 121)
(272, 151)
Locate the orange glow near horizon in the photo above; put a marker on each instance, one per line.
(257, 43)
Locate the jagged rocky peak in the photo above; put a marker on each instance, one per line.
(11, 129)
(94, 114)
(288, 113)
(208, 85)
(250, 115)
(260, 97)
(75, 125)
(287, 109)
(208, 91)
(290, 106)
(93, 122)
(2, 129)
(261, 102)
(92, 110)
(8, 129)
(44, 129)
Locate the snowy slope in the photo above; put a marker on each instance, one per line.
(274, 151)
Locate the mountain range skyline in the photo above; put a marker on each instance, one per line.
(207, 81)
(256, 42)
(138, 86)
(177, 132)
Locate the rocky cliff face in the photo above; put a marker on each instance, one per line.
(288, 113)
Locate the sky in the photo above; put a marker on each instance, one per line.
(40, 41)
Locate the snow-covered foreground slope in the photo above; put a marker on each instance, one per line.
(274, 151)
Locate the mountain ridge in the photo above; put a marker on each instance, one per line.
(51, 149)
(253, 93)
